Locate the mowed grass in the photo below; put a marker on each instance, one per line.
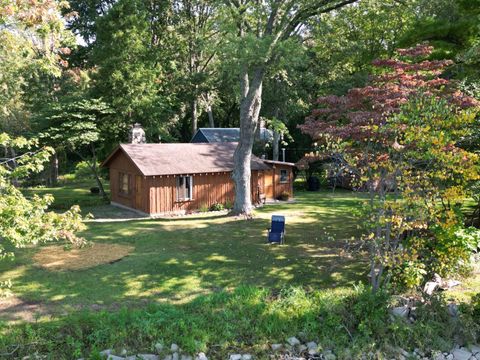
(175, 260)
(468, 288)
(70, 193)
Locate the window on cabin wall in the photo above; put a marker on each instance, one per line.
(124, 183)
(184, 188)
(283, 176)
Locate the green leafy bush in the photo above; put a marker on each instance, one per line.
(408, 274)
(284, 196)
(476, 308)
(469, 237)
(452, 249)
(299, 183)
(203, 208)
(217, 207)
(447, 252)
(83, 171)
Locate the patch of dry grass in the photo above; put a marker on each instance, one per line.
(58, 258)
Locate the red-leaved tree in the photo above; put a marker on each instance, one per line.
(355, 115)
(399, 136)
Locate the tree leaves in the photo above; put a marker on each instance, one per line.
(402, 134)
(26, 221)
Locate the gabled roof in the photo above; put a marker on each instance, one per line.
(182, 158)
(216, 135)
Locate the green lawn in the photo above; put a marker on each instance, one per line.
(178, 259)
(210, 283)
(71, 193)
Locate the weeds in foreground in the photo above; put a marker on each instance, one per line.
(348, 322)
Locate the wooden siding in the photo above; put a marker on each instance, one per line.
(157, 194)
(286, 186)
(268, 184)
(207, 189)
(273, 186)
(136, 197)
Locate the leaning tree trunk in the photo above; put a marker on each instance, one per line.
(96, 174)
(93, 167)
(249, 111)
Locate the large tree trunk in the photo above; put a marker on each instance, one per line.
(249, 111)
(194, 110)
(54, 169)
(211, 121)
(275, 145)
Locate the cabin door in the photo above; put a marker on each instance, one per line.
(138, 192)
(269, 184)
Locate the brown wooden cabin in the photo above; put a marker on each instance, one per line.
(158, 179)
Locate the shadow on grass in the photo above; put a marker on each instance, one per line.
(246, 320)
(176, 260)
(219, 323)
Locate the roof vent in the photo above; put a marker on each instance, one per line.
(137, 135)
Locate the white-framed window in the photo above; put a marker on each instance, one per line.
(283, 176)
(184, 188)
(124, 183)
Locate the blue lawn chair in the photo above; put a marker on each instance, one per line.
(276, 233)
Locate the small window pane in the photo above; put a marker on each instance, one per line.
(124, 184)
(184, 188)
(180, 189)
(283, 175)
(187, 187)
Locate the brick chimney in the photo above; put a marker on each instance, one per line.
(137, 135)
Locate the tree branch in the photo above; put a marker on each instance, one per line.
(310, 11)
(30, 153)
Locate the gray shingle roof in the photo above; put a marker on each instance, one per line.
(216, 135)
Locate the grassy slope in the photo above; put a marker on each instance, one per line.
(177, 259)
(248, 319)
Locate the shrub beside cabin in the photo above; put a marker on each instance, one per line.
(158, 179)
